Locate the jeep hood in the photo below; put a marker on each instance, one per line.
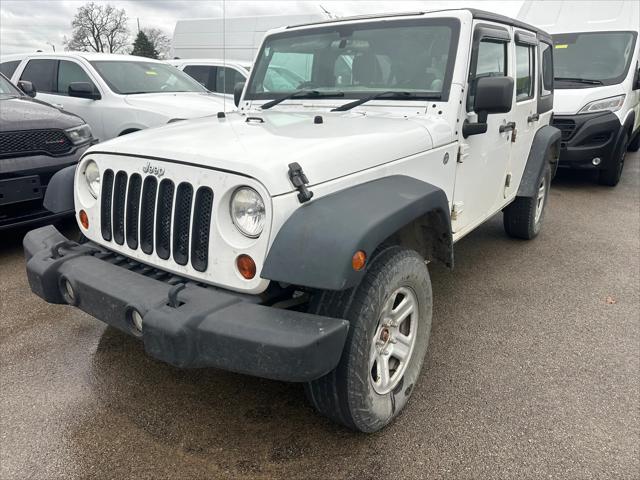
(262, 145)
(178, 105)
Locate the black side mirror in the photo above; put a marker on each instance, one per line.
(27, 87)
(492, 95)
(237, 92)
(636, 81)
(83, 90)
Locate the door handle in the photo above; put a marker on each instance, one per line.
(508, 127)
(533, 118)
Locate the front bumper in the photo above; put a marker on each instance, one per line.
(23, 183)
(184, 324)
(588, 136)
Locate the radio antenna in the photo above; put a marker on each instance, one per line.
(224, 58)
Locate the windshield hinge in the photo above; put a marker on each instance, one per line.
(299, 180)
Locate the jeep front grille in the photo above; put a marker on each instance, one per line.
(135, 211)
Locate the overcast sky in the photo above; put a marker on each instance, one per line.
(29, 25)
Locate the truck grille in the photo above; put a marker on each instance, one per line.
(135, 212)
(48, 142)
(567, 127)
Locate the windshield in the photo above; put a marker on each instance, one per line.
(126, 78)
(600, 56)
(357, 60)
(7, 89)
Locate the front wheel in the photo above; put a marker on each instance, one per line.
(610, 176)
(523, 217)
(390, 322)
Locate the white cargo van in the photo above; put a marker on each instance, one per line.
(597, 84)
(234, 37)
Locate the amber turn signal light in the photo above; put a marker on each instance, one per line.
(358, 260)
(246, 266)
(84, 219)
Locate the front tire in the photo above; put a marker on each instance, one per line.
(634, 145)
(611, 175)
(390, 322)
(523, 217)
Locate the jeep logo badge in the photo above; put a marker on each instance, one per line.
(152, 170)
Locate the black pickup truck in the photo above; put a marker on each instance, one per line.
(36, 140)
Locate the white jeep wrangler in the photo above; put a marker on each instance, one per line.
(290, 239)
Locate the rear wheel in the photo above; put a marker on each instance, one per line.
(390, 321)
(523, 217)
(610, 176)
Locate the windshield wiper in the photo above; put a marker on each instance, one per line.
(394, 94)
(301, 94)
(587, 81)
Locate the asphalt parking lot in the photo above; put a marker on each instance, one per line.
(532, 372)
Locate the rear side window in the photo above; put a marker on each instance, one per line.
(227, 79)
(525, 68)
(491, 62)
(69, 72)
(546, 59)
(205, 75)
(7, 68)
(42, 73)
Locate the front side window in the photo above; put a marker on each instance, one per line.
(7, 68)
(525, 64)
(590, 59)
(227, 78)
(7, 89)
(70, 72)
(357, 60)
(205, 75)
(491, 62)
(42, 74)
(134, 77)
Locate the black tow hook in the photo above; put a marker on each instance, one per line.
(299, 180)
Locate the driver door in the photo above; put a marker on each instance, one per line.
(483, 161)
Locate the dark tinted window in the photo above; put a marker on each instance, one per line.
(546, 54)
(42, 73)
(69, 72)
(7, 68)
(227, 79)
(491, 62)
(205, 75)
(525, 62)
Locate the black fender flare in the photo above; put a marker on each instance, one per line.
(59, 195)
(545, 149)
(315, 246)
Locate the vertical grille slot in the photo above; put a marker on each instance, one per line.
(133, 210)
(105, 204)
(163, 219)
(147, 207)
(182, 219)
(119, 194)
(201, 226)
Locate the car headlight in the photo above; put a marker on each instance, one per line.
(80, 134)
(92, 177)
(610, 104)
(247, 211)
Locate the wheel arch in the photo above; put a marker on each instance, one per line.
(315, 245)
(545, 149)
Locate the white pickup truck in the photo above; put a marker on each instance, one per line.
(290, 239)
(114, 94)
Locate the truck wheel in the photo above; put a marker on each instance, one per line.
(610, 176)
(390, 321)
(634, 145)
(523, 217)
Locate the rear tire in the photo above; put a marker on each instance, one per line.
(523, 217)
(611, 175)
(371, 385)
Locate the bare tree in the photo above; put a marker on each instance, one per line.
(160, 41)
(99, 28)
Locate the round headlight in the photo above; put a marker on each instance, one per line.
(92, 177)
(247, 211)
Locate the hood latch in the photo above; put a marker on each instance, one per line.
(299, 180)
